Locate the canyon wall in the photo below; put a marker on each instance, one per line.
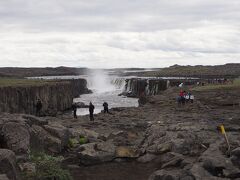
(136, 87)
(56, 96)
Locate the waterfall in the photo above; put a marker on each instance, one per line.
(148, 86)
(100, 81)
(118, 82)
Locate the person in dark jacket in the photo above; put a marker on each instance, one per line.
(38, 107)
(74, 107)
(91, 111)
(105, 107)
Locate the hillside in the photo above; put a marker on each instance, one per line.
(227, 70)
(28, 72)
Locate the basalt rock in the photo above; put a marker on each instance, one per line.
(138, 87)
(16, 137)
(170, 175)
(8, 164)
(126, 152)
(3, 177)
(55, 96)
(42, 140)
(95, 153)
(20, 133)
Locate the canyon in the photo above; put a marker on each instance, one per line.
(56, 96)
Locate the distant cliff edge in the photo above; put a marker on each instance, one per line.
(20, 96)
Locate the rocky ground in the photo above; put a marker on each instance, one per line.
(159, 140)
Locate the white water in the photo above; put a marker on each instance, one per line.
(105, 88)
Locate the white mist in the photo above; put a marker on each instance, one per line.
(100, 82)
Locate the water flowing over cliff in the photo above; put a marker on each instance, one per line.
(56, 96)
(136, 87)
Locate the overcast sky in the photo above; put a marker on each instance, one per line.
(119, 33)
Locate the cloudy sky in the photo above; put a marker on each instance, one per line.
(112, 33)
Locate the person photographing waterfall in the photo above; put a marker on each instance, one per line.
(105, 107)
(38, 107)
(74, 108)
(91, 111)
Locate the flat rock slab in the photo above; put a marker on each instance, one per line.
(126, 152)
(95, 153)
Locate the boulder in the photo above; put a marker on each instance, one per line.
(95, 153)
(16, 137)
(231, 172)
(181, 146)
(92, 136)
(8, 164)
(236, 152)
(28, 168)
(235, 157)
(146, 158)
(115, 134)
(33, 120)
(59, 131)
(200, 173)
(3, 177)
(42, 140)
(170, 175)
(213, 164)
(163, 175)
(159, 148)
(126, 152)
(214, 161)
(173, 162)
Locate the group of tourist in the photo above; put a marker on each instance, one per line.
(185, 97)
(182, 98)
(91, 108)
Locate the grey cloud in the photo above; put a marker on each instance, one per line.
(110, 15)
(122, 33)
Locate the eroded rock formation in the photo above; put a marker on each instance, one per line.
(55, 96)
(137, 87)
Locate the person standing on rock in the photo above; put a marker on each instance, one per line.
(91, 111)
(181, 99)
(105, 107)
(38, 107)
(74, 107)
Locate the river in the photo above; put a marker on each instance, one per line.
(105, 88)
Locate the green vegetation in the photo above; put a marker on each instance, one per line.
(18, 82)
(47, 167)
(73, 142)
(234, 85)
(83, 140)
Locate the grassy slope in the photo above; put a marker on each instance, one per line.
(235, 85)
(15, 82)
(29, 72)
(227, 70)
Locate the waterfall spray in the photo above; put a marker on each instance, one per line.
(100, 82)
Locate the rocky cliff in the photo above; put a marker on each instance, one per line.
(135, 87)
(55, 96)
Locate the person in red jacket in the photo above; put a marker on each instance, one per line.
(181, 94)
(181, 97)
